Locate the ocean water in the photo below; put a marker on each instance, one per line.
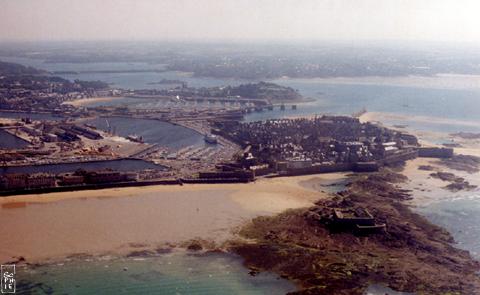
(454, 104)
(177, 273)
(144, 80)
(345, 98)
(174, 273)
(426, 103)
(461, 217)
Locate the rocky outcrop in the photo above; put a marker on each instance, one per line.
(456, 183)
(412, 255)
(467, 163)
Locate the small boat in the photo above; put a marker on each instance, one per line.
(210, 138)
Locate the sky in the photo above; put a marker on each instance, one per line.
(412, 20)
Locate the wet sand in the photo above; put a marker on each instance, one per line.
(385, 116)
(425, 188)
(117, 221)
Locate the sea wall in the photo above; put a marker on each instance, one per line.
(241, 174)
(215, 180)
(322, 168)
(435, 152)
(355, 167)
(90, 187)
(398, 158)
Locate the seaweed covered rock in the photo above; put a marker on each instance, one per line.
(411, 255)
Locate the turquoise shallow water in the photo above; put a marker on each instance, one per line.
(177, 273)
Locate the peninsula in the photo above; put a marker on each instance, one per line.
(327, 243)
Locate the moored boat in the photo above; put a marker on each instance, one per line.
(210, 138)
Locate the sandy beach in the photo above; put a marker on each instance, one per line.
(117, 221)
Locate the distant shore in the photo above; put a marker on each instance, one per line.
(439, 81)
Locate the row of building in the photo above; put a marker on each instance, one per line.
(21, 181)
(301, 143)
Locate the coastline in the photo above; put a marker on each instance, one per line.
(240, 203)
(228, 207)
(279, 245)
(425, 188)
(412, 255)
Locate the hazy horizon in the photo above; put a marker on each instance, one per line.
(244, 21)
